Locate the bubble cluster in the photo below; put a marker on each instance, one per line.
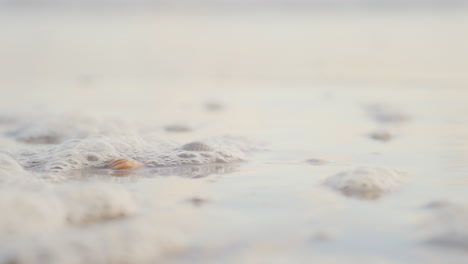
(103, 152)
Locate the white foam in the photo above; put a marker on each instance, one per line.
(135, 241)
(29, 211)
(96, 151)
(93, 202)
(53, 211)
(9, 164)
(93, 222)
(365, 182)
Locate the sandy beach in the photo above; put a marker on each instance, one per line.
(152, 135)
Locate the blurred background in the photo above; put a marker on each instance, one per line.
(84, 44)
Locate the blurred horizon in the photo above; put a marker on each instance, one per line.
(249, 4)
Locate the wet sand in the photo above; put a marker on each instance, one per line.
(281, 107)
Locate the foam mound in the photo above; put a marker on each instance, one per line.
(90, 222)
(365, 182)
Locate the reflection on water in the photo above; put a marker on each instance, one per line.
(187, 171)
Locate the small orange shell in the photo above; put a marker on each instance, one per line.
(124, 164)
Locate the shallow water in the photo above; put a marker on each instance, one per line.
(281, 104)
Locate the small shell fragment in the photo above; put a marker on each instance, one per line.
(196, 146)
(124, 164)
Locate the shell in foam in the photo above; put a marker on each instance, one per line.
(130, 152)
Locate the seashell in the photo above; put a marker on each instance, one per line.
(124, 164)
(196, 146)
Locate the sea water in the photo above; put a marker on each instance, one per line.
(264, 138)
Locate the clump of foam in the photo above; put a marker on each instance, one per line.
(9, 164)
(30, 208)
(93, 223)
(97, 151)
(365, 182)
(136, 241)
(96, 202)
(11, 171)
(29, 211)
(448, 225)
